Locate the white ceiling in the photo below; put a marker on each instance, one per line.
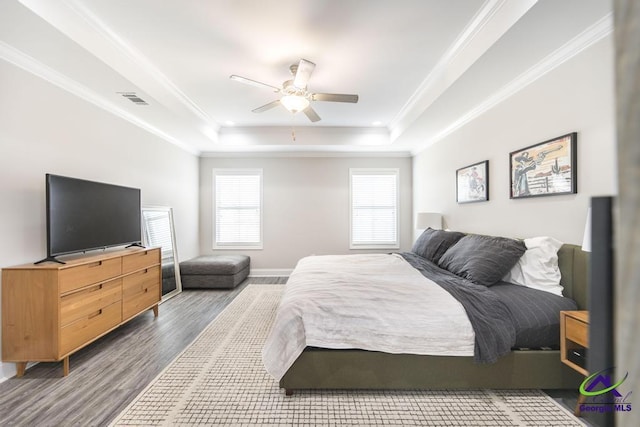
(421, 68)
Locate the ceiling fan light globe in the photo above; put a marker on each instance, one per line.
(294, 103)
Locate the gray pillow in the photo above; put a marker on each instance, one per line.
(482, 259)
(432, 244)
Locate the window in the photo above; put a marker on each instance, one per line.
(374, 208)
(237, 198)
(157, 230)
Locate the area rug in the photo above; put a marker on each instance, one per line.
(220, 380)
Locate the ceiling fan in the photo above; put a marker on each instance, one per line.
(295, 96)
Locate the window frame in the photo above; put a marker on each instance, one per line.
(374, 171)
(236, 245)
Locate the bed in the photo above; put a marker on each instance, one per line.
(307, 360)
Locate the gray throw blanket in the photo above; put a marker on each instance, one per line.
(491, 320)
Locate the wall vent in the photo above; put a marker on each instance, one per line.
(133, 97)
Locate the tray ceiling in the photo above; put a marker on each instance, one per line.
(420, 67)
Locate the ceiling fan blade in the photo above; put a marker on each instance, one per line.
(253, 82)
(266, 107)
(305, 68)
(334, 97)
(311, 114)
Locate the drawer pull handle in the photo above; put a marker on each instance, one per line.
(97, 288)
(95, 264)
(97, 313)
(146, 289)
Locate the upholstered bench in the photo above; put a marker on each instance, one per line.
(214, 271)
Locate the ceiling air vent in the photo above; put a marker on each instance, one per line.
(133, 97)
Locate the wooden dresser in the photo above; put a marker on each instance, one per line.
(50, 311)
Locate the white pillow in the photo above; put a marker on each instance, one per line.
(538, 267)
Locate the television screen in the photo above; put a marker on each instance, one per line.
(84, 215)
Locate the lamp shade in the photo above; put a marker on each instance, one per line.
(425, 220)
(294, 103)
(586, 240)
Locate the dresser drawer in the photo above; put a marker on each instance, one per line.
(577, 331)
(84, 302)
(89, 327)
(142, 259)
(79, 276)
(140, 290)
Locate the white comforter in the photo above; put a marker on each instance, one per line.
(373, 302)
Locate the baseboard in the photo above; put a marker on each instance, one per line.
(270, 272)
(8, 370)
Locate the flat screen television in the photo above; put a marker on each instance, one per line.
(86, 215)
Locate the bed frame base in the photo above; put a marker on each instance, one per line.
(358, 369)
(521, 369)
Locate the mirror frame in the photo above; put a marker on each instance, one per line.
(145, 242)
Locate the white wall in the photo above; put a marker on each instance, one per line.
(44, 129)
(306, 205)
(577, 97)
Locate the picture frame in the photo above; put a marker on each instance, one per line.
(472, 183)
(547, 168)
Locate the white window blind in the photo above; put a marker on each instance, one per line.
(238, 208)
(374, 208)
(158, 231)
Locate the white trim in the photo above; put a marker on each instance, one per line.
(138, 58)
(270, 272)
(371, 247)
(290, 151)
(74, 19)
(492, 20)
(582, 41)
(37, 68)
(233, 247)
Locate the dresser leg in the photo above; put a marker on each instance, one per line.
(155, 310)
(65, 366)
(20, 368)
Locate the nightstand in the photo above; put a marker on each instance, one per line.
(574, 339)
(574, 342)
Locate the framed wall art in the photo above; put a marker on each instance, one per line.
(545, 169)
(472, 183)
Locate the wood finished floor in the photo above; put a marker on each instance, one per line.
(108, 374)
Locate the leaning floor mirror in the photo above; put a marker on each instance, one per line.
(158, 231)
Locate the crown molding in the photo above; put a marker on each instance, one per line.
(139, 59)
(492, 20)
(281, 151)
(596, 32)
(37, 68)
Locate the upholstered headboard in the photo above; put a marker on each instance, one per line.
(574, 267)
